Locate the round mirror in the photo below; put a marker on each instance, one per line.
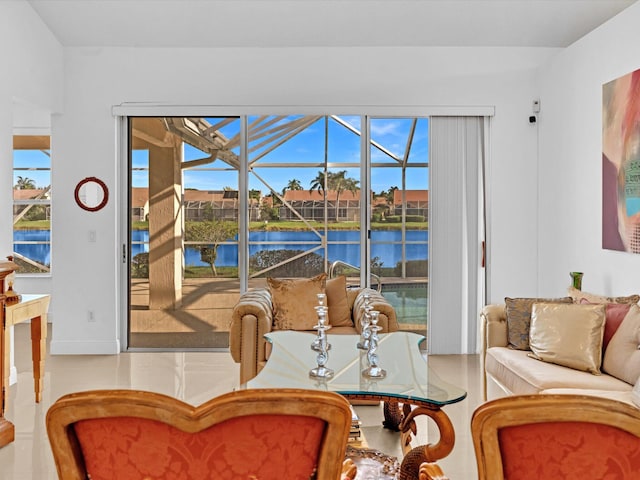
(91, 194)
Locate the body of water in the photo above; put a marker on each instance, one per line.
(342, 245)
(41, 253)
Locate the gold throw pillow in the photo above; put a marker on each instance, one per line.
(294, 300)
(568, 335)
(338, 303)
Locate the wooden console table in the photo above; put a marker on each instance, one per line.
(34, 308)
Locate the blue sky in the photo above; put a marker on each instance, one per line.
(32, 159)
(308, 147)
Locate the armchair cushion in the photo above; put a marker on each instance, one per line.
(147, 448)
(338, 303)
(294, 301)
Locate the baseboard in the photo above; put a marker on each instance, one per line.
(83, 347)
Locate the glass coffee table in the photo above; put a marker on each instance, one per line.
(409, 381)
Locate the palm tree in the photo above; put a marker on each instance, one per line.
(336, 181)
(294, 184)
(24, 183)
(318, 182)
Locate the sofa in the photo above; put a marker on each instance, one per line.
(260, 311)
(510, 368)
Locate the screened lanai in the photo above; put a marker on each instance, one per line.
(232, 200)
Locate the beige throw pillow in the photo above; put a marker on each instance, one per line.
(568, 335)
(622, 357)
(518, 311)
(339, 311)
(579, 295)
(294, 301)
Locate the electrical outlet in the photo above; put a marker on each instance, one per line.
(91, 316)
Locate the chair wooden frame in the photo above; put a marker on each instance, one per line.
(490, 417)
(328, 406)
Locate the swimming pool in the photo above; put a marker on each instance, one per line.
(410, 302)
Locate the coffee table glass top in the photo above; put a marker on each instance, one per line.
(408, 376)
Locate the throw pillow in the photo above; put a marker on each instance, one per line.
(579, 295)
(294, 301)
(622, 357)
(614, 313)
(518, 311)
(339, 311)
(568, 335)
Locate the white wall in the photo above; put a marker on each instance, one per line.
(570, 188)
(96, 79)
(531, 249)
(30, 91)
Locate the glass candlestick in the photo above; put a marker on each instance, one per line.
(321, 371)
(374, 370)
(321, 311)
(363, 344)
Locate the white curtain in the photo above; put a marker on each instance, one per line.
(456, 232)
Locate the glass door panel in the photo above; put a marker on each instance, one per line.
(305, 170)
(184, 205)
(399, 243)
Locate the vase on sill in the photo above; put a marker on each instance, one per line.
(576, 280)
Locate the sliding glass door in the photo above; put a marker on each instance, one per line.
(287, 195)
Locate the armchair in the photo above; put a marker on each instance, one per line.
(266, 434)
(253, 317)
(562, 437)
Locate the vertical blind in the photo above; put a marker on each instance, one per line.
(456, 230)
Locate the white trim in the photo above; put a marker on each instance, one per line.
(32, 131)
(81, 347)
(134, 109)
(122, 235)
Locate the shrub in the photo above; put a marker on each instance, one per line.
(409, 218)
(306, 266)
(140, 265)
(415, 268)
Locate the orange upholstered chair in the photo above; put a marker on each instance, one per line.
(248, 434)
(560, 437)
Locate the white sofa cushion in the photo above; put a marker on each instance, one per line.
(521, 374)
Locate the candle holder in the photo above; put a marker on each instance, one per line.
(321, 337)
(321, 344)
(321, 299)
(374, 370)
(365, 334)
(321, 370)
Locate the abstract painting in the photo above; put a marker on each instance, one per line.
(621, 163)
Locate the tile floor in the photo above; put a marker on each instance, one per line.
(195, 377)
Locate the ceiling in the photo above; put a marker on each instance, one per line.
(323, 23)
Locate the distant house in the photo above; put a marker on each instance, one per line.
(139, 204)
(417, 202)
(197, 205)
(224, 204)
(22, 204)
(310, 205)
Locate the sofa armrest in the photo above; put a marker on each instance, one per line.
(493, 320)
(251, 319)
(387, 319)
(494, 326)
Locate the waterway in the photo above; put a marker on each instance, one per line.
(342, 245)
